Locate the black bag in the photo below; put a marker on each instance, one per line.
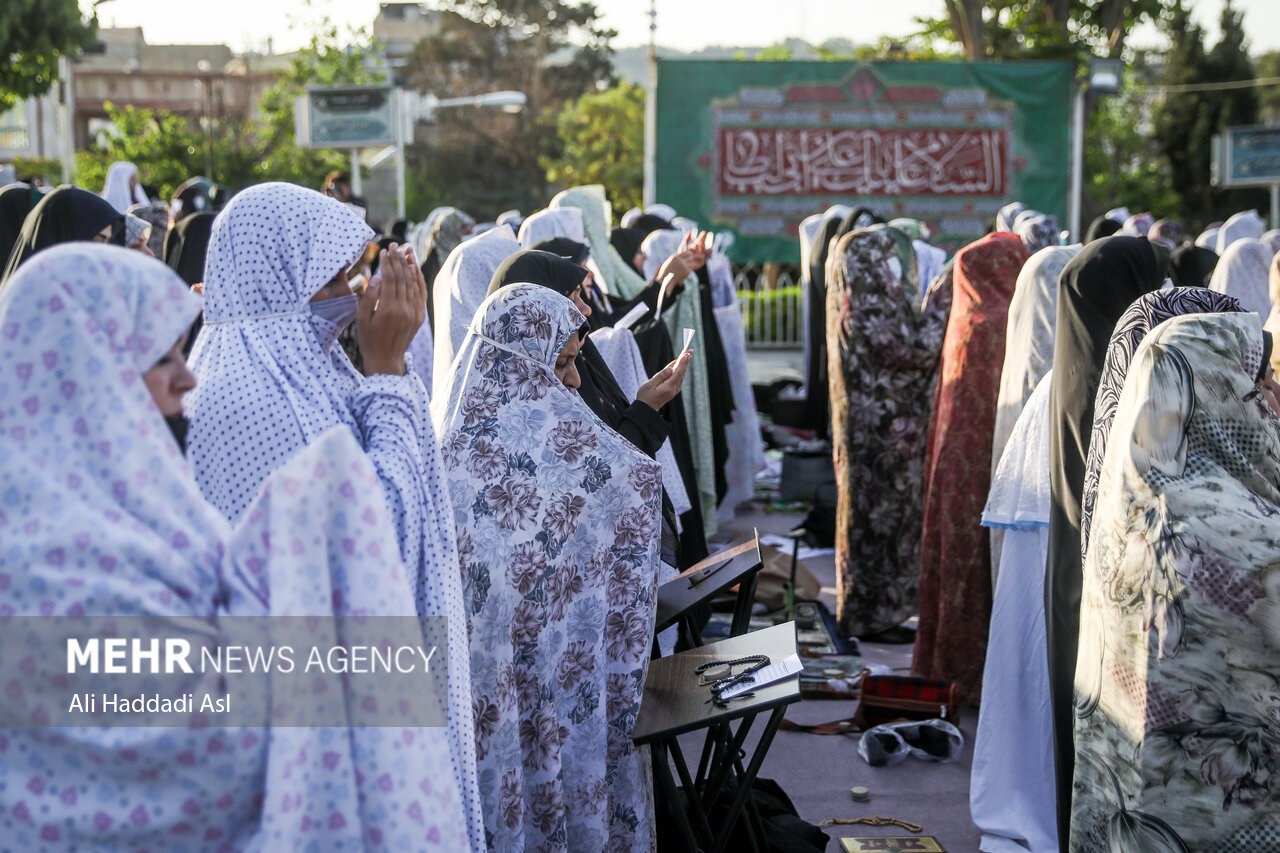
(784, 830)
(820, 524)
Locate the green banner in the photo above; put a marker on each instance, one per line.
(754, 147)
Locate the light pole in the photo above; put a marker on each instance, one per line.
(650, 194)
(414, 108)
(1106, 74)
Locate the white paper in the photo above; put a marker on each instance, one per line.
(688, 342)
(632, 316)
(771, 673)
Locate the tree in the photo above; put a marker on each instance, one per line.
(485, 160)
(1188, 119)
(1041, 29)
(602, 138)
(1268, 65)
(1124, 165)
(33, 34)
(169, 148)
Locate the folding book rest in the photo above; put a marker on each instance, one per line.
(674, 704)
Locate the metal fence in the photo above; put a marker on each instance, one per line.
(770, 296)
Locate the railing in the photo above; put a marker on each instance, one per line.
(770, 296)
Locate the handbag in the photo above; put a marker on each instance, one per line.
(886, 698)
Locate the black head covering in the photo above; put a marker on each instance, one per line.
(399, 228)
(1094, 290)
(1192, 265)
(565, 248)
(65, 215)
(1101, 227)
(627, 241)
(1164, 255)
(533, 266)
(817, 404)
(186, 246)
(647, 223)
(16, 201)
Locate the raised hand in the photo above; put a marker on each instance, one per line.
(392, 308)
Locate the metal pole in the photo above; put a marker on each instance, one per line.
(69, 113)
(1077, 164)
(651, 112)
(1275, 205)
(355, 172)
(206, 105)
(402, 117)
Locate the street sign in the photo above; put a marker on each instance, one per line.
(1247, 157)
(346, 117)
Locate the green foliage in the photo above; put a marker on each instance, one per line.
(1187, 120)
(33, 34)
(168, 148)
(1123, 164)
(484, 160)
(768, 315)
(1268, 65)
(602, 138)
(41, 170)
(1040, 29)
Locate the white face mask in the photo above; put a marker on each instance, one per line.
(329, 317)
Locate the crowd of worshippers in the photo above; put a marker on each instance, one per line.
(489, 427)
(1106, 410)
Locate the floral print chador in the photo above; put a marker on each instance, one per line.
(882, 358)
(1177, 683)
(558, 531)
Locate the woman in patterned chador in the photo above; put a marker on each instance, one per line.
(558, 523)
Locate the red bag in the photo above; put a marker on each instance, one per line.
(886, 698)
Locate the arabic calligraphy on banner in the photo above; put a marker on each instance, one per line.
(796, 161)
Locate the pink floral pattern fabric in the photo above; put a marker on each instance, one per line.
(102, 516)
(558, 529)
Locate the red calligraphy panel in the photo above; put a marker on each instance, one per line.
(791, 161)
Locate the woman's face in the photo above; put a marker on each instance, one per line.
(575, 296)
(1271, 391)
(140, 245)
(336, 287)
(169, 379)
(638, 260)
(566, 368)
(103, 236)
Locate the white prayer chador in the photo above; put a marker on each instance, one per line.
(1011, 793)
(1028, 347)
(1245, 225)
(613, 274)
(272, 378)
(103, 519)
(460, 287)
(657, 248)
(545, 224)
(621, 353)
(558, 528)
(1242, 272)
(117, 189)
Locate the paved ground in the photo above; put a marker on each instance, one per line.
(817, 771)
